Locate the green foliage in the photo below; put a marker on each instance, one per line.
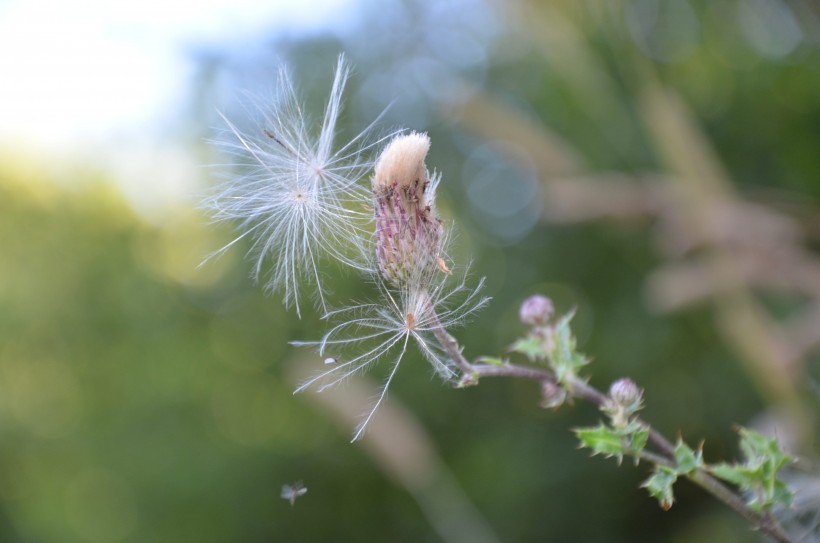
(564, 359)
(609, 441)
(630, 440)
(757, 473)
(659, 485)
(637, 434)
(602, 440)
(532, 346)
(687, 460)
(556, 345)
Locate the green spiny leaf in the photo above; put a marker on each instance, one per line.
(638, 435)
(659, 486)
(602, 440)
(757, 474)
(736, 474)
(564, 359)
(756, 446)
(782, 494)
(687, 460)
(531, 346)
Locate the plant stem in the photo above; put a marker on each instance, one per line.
(577, 388)
(450, 345)
(654, 458)
(765, 523)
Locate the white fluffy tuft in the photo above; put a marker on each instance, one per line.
(296, 197)
(402, 161)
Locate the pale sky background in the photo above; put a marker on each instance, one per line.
(77, 76)
(81, 69)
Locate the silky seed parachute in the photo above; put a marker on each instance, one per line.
(297, 197)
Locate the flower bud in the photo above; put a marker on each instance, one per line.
(536, 310)
(552, 395)
(624, 393)
(408, 233)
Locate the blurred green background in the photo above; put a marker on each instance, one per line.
(653, 163)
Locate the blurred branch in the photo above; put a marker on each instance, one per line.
(732, 224)
(610, 196)
(704, 190)
(675, 286)
(569, 193)
(803, 331)
(495, 121)
(804, 212)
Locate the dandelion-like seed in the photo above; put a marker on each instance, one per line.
(292, 492)
(298, 199)
(385, 330)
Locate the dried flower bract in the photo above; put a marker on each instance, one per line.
(408, 233)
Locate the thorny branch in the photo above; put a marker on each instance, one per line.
(577, 388)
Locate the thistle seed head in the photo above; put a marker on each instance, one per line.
(402, 162)
(408, 233)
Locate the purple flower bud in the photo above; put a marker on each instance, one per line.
(625, 393)
(552, 395)
(536, 310)
(408, 233)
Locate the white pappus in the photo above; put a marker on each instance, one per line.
(298, 199)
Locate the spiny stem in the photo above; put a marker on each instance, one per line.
(582, 390)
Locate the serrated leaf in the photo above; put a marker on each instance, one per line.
(757, 447)
(687, 460)
(638, 438)
(735, 473)
(757, 474)
(782, 495)
(659, 486)
(602, 440)
(564, 359)
(531, 346)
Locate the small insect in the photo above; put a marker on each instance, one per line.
(410, 321)
(291, 492)
(331, 360)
